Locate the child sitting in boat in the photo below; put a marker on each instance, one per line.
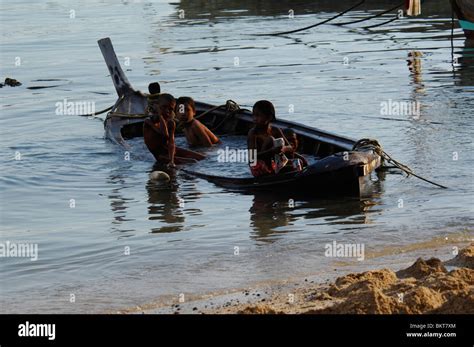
(159, 129)
(197, 134)
(268, 142)
(293, 155)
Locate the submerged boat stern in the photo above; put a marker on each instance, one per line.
(344, 172)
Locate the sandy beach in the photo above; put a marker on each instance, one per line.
(427, 286)
(434, 283)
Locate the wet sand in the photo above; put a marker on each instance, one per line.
(428, 285)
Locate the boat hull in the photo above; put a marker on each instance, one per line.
(337, 167)
(464, 10)
(344, 181)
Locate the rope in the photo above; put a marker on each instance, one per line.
(377, 148)
(230, 105)
(125, 115)
(105, 110)
(390, 20)
(211, 109)
(231, 109)
(96, 113)
(378, 25)
(317, 24)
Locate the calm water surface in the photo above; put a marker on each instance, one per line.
(182, 240)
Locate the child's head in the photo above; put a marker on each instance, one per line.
(154, 88)
(185, 108)
(291, 137)
(263, 112)
(167, 104)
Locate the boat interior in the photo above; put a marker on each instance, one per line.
(223, 121)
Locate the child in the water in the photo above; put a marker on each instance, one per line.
(159, 130)
(197, 134)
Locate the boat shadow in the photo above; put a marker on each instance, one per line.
(463, 64)
(271, 214)
(274, 214)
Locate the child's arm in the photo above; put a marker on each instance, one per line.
(201, 133)
(251, 141)
(303, 159)
(261, 154)
(212, 138)
(277, 133)
(171, 143)
(205, 140)
(150, 123)
(164, 128)
(268, 153)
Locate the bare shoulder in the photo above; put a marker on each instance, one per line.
(251, 139)
(197, 124)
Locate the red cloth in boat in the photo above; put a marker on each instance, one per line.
(261, 169)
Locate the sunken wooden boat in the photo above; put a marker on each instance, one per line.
(338, 165)
(464, 10)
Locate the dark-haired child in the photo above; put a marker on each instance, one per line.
(197, 134)
(266, 142)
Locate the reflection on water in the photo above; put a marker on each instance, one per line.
(202, 9)
(415, 67)
(268, 214)
(118, 203)
(273, 215)
(463, 65)
(165, 205)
